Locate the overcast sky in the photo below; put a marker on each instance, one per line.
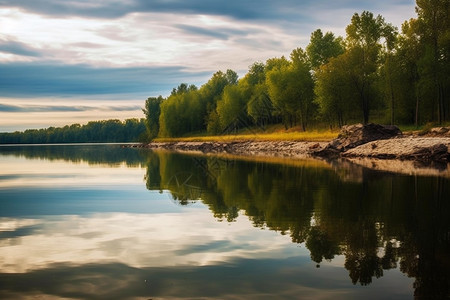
(64, 62)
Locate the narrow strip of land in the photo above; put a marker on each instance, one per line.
(371, 141)
(404, 148)
(374, 146)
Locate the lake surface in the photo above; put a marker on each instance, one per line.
(102, 222)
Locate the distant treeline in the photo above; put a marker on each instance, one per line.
(375, 73)
(110, 131)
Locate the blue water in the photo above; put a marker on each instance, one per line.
(104, 222)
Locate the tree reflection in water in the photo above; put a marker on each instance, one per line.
(378, 221)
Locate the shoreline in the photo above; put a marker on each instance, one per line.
(385, 151)
(284, 149)
(398, 155)
(411, 148)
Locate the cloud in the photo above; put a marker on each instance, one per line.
(203, 31)
(20, 232)
(87, 45)
(18, 48)
(39, 108)
(133, 49)
(47, 79)
(64, 108)
(115, 9)
(103, 9)
(201, 35)
(236, 9)
(124, 108)
(222, 33)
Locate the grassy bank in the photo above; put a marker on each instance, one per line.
(278, 133)
(269, 135)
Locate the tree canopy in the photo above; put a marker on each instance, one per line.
(108, 131)
(375, 72)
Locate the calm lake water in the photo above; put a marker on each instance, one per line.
(102, 222)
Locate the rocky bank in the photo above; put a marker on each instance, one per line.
(354, 141)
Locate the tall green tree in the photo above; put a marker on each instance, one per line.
(232, 108)
(389, 67)
(291, 88)
(434, 27)
(323, 47)
(363, 41)
(259, 107)
(212, 92)
(280, 90)
(334, 91)
(169, 120)
(409, 52)
(152, 112)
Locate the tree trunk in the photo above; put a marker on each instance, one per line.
(416, 121)
(365, 111)
(392, 103)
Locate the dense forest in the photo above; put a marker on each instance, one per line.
(110, 131)
(374, 73)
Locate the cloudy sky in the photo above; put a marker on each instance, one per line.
(64, 62)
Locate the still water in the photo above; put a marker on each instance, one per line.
(102, 222)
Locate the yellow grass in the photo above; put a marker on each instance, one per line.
(311, 136)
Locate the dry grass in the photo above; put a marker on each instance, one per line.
(311, 136)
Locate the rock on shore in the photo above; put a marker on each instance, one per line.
(405, 148)
(352, 136)
(388, 142)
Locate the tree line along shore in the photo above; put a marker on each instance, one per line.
(376, 73)
(108, 131)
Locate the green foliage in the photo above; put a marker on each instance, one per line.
(212, 92)
(213, 123)
(231, 109)
(290, 87)
(152, 113)
(434, 65)
(374, 73)
(256, 74)
(334, 94)
(363, 39)
(189, 109)
(110, 131)
(260, 108)
(323, 47)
